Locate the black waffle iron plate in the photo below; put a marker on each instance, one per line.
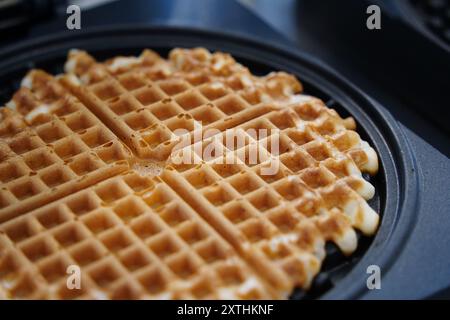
(396, 181)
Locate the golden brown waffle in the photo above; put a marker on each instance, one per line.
(51, 145)
(134, 238)
(146, 104)
(164, 228)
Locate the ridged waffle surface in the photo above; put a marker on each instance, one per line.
(93, 175)
(51, 145)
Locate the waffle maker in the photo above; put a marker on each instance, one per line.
(410, 246)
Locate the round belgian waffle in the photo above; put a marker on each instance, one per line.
(91, 177)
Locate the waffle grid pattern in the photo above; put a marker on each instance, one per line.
(145, 107)
(53, 153)
(133, 237)
(203, 230)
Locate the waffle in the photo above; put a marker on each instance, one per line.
(144, 223)
(51, 145)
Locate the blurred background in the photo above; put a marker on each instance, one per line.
(405, 65)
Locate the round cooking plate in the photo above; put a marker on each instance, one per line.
(395, 182)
